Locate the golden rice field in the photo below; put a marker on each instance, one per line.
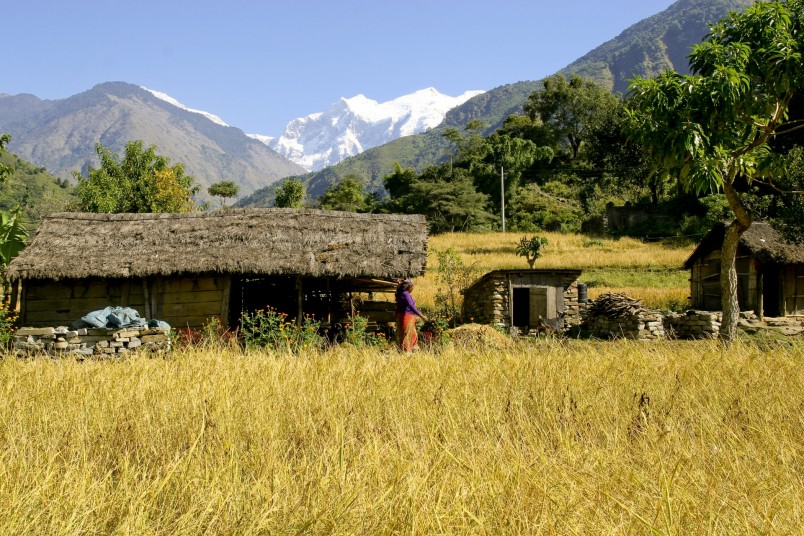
(541, 437)
(650, 272)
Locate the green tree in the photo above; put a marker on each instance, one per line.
(470, 147)
(531, 248)
(568, 108)
(290, 194)
(447, 196)
(13, 239)
(712, 128)
(347, 196)
(224, 190)
(13, 234)
(5, 171)
(142, 181)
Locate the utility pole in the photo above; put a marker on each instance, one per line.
(502, 197)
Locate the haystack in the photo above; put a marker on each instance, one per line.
(480, 336)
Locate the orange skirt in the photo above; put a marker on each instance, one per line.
(406, 337)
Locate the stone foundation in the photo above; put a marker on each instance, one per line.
(694, 325)
(61, 341)
(643, 325)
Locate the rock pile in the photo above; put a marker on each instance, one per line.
(694, 324)
(61, 341)
(615, 315)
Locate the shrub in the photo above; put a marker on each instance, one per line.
(268, 328)
(8, 320)
(358, 334)
(436, 330)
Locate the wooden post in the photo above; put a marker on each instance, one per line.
(329, 302)
(147, 295)
(760, 295)
(227, 291)
(300, 297)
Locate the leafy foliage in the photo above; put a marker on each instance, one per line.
(269, 328)
(5, 171)
(224, 190)
(142, 181)
(13, 236)
(290, 194)
(456, 276)
(569, 109)
(347, 196)
(531, 248)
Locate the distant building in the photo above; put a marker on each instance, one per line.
(770, 272)
(522, 298)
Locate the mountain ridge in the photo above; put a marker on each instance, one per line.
(61, 135)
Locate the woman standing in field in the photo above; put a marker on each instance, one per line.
(406, 315)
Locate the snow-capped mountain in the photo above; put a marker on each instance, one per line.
(167, 98)
(350, 126)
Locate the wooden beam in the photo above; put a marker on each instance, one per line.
(300, 299)
(147, 293)
(227, 291)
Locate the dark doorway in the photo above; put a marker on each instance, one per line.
(521, 307)
(771, 291)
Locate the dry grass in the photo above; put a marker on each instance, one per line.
(554, 437)
(647, 271)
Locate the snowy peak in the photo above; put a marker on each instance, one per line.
(167, 98)
(352, 125)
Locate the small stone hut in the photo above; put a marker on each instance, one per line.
(187, 269)
(520, 298)
(770, 272)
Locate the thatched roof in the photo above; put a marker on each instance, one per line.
(544, 272)
(760, 240)
(235, 241)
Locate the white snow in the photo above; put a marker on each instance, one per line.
(167, 98)
(352, 125)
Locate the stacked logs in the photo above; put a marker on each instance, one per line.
(615, 315)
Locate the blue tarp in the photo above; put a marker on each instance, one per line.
(119, 317)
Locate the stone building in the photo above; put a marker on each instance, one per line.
(524, 298)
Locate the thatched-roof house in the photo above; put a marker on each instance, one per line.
(187, 268)
(770, 272)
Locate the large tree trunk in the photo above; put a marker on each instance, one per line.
(728, 263)
(728, 282)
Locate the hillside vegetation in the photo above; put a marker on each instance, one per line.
(33, 188)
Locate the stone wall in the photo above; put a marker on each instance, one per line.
(694, 325)
(61, 341)
(615, 315)
(487, 303)
(642, 325)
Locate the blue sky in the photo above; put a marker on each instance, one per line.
(259, 64)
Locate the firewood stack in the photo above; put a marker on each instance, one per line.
(615, 315)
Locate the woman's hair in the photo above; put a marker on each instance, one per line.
(405, 284)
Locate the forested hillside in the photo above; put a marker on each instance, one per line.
(34, 189)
